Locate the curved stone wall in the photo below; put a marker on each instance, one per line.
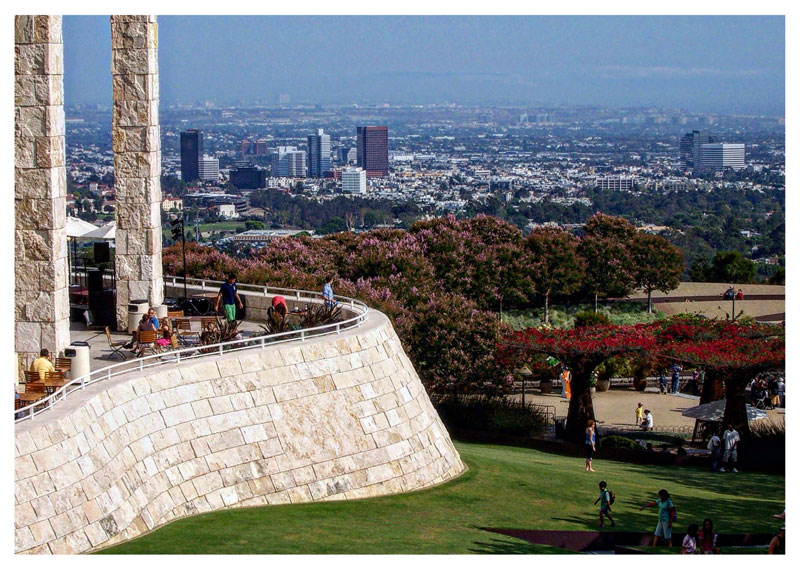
(336, 417)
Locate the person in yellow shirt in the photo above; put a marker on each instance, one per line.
(639, 413)
(42, 364)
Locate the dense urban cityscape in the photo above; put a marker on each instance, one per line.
(668, 171)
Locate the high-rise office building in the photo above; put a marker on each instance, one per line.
(191, 150)
(208, 169)
(717, 157)
(354, 180)
(246, 176)
(372, 149)
(319, 154)
(690, 146)
(288, 161)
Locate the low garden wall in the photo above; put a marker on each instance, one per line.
(336, 417)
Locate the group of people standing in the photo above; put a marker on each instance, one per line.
(228, 297)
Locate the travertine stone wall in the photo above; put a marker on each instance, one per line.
(337, 417)
(137, 161)
(41, 309)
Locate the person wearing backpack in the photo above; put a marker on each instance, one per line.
(606, 499)
(666, 516)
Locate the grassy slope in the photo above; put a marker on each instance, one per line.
(505, 487)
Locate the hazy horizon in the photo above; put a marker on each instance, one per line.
(721, 64)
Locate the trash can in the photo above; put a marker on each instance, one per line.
(78, 351)
(136, 309)
(162, 311)
(561, 427)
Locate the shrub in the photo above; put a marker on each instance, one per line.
(619, 442)
(588, 319)
(497, 416)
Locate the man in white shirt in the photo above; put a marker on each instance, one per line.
(647, 422)
(730, 439)
(715, 447)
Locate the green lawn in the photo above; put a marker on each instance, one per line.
(504, 487)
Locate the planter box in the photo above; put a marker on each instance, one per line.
(546, 386)
(603, 385)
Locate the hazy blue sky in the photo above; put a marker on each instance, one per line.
(711, 64)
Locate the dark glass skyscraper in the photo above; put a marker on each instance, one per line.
(319, 154)
(372, 146)
(191, 151)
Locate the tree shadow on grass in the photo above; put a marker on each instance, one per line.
(513, 546)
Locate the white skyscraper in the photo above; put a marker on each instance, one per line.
(208, 168)
(354, 180)
(720, 156)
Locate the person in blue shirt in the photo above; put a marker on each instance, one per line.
(151, 314)
(229, 297)
(676, 377)
(590, 447)
(327, 292)
(666, 516)
(605, 504)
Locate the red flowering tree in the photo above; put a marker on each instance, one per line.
(730, 353)
(582, 350)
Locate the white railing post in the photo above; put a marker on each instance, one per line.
(338, 329)
(141, 364)
(220, 349)
(83, 383)
(302, 335)
(108, 373)
(178, 357)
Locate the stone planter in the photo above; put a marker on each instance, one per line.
(546, 386)
(603, 385)
(640, 384)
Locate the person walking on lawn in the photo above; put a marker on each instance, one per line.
(605, 499)
(730, 439)
(590, 447)
(229, 297)
(666, 516)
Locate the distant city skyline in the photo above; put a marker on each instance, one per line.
(718, 64)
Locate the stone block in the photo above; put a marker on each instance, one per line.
(47, 29)
(23, 29)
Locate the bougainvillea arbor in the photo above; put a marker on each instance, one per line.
(581, 350)
(730, 353)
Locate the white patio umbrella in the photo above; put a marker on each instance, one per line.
(105, 233)
(78, 227)
(714, 412)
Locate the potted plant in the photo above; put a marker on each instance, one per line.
(546, 384)
(603, 374)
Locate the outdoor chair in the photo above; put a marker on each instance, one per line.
(175, 314)
(35, 386)
(64, 364)
(32, 376)
(116, 346)
(147, 342)
(187, 337)
(208, 324)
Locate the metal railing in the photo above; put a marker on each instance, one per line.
(176, 356)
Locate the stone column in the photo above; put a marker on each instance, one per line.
(41, 308)
(137, 161)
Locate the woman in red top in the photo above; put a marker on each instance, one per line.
(707, 538)
(279, 305)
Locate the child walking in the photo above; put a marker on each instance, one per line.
(605, 504)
